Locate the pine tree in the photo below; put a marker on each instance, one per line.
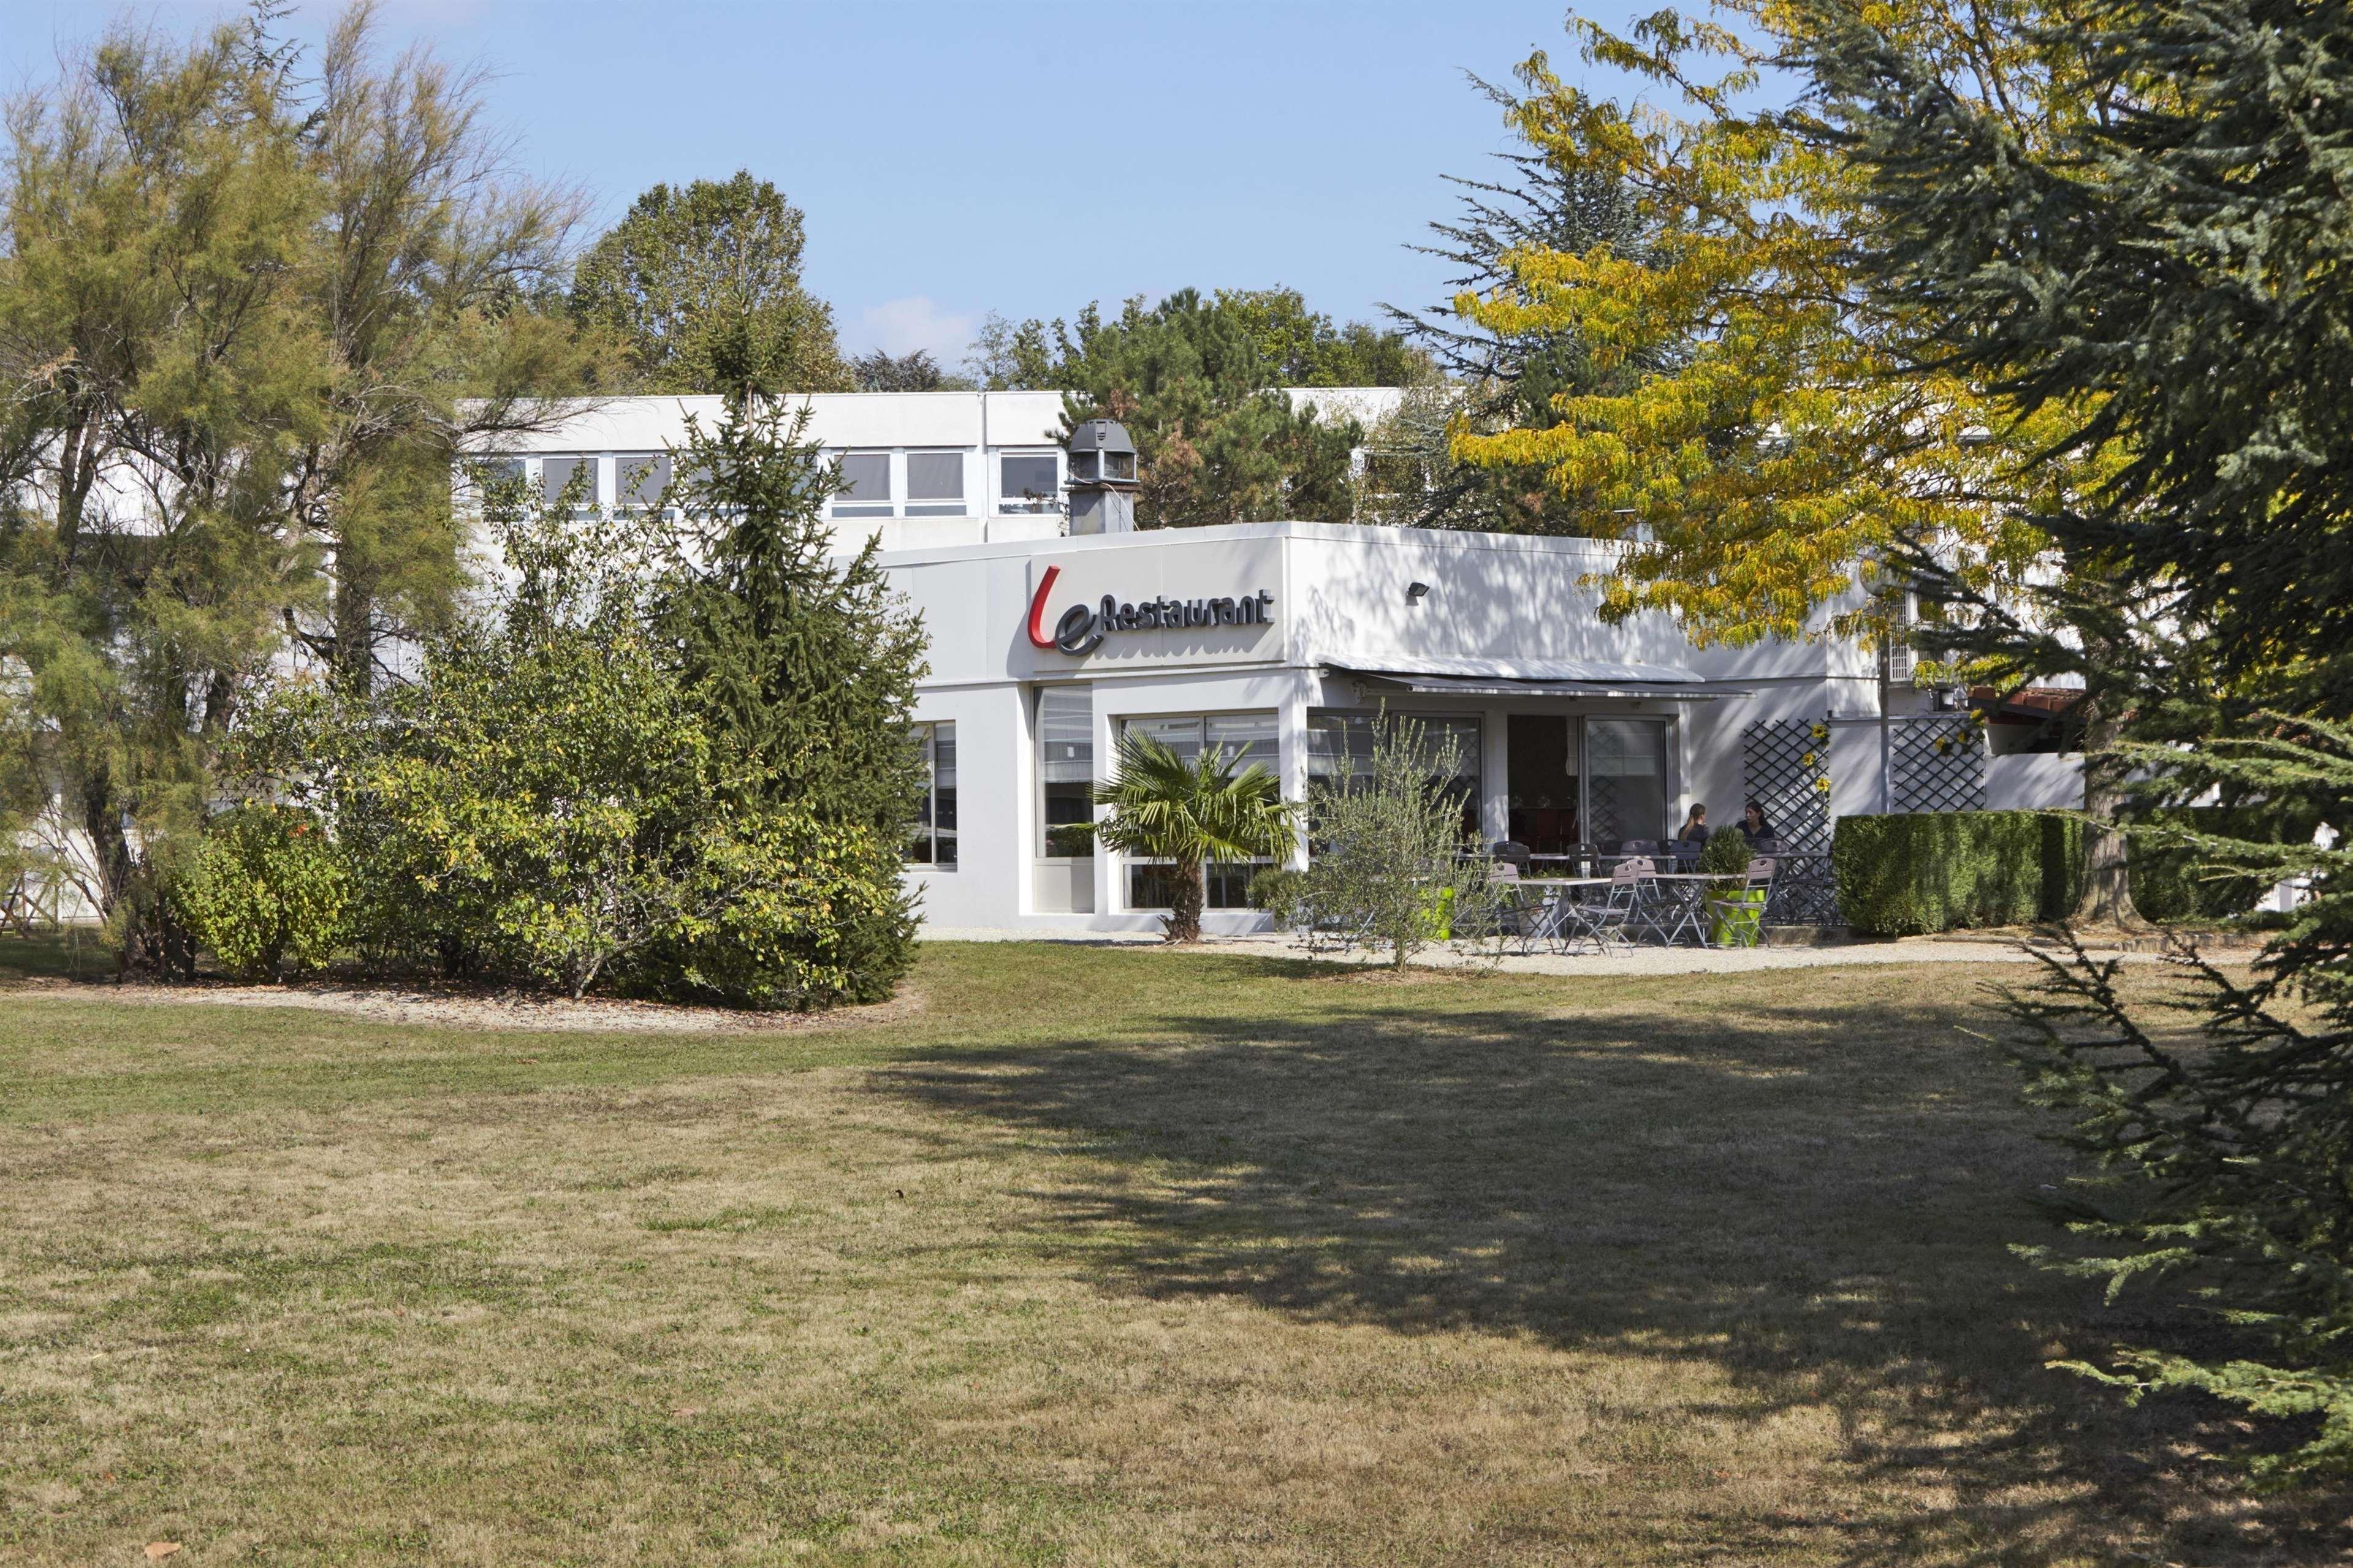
(2163, 283)
(1505, 379)
(804, 662)
(245, 320)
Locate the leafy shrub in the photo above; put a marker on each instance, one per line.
(574, 791)
(1389, 851)
(266, 892)
(1930, 871)
(1280, 892)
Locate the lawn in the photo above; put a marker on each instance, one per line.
(1095, 1257)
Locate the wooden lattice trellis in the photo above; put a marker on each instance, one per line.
(1785, 767)
(1936, 764)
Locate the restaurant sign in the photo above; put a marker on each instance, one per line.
(1080, 628)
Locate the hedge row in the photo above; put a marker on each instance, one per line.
(2169, 882)
(1931, 871)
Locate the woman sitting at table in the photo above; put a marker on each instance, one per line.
(1695, 827)
(1753, 826)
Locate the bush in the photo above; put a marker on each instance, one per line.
(1930, 871)
(1391, 858)
(1280, 892)
(2173, 881)
(266, 892)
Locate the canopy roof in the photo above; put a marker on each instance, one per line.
(1537, 677)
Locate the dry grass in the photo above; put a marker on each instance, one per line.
(1100, 1257)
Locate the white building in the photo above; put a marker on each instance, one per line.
(1284, 640)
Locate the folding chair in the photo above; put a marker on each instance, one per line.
(1601, 922)
(1635, 893)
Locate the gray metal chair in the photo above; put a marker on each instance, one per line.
(1736, 916)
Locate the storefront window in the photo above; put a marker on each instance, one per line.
(1066, 769)
(1626, 781)
(934, 842)
(1340, 755)
(1244, 738)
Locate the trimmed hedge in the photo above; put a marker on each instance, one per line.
(1909, 875)
(2168, 882)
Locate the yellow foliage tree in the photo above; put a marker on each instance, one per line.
(1797, 454)
(1791, 439)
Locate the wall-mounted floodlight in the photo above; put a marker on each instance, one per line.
(1415, 593)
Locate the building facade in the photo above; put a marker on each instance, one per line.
(1283, 642)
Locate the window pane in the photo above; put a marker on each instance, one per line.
(1119, 464)
(1066, 769)
(1026, 483)
(1245, 738)
(1150, 886)
(865, 477)
(934, 475)
(500, 470)
(555, 473)
(1339, 746)
(640, 478)
(1228, 882)
(934, 842)
(1182, 736)
(1626, 782)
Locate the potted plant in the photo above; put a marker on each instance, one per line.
(1735, 911)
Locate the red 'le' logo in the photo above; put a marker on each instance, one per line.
(1039, 636)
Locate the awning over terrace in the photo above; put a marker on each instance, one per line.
(1550, 678)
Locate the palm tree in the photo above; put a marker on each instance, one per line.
(1166, 808)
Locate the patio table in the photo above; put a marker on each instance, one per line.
(1561, 889)
(1686, 900)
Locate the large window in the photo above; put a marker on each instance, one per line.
(1626, 779)
(1244, 738)
(865, 485)
(934, 842)
(556, 474)
(1027, 482)
(640, 478)
(1340, 755)
(935, 484)
(1066, 770)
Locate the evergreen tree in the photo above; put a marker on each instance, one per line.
(804, 662)
(703, 283)
(2163, 281)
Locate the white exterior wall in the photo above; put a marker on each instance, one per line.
(1339, 599)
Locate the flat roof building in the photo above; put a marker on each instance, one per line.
(1283, 641)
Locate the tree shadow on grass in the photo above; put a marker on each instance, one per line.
(1816, 1199)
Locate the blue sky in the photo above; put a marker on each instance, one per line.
(1021, 157)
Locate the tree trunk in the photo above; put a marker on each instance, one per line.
(2106, 896)
(1185, 903)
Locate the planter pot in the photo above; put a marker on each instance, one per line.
(1737, 920)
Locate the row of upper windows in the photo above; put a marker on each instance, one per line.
(873, 484)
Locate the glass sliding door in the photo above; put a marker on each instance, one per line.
(1066, 770)
(1063, 881)
(1625, 781)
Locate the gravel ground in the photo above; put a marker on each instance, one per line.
(458, 1008)
(1639, 961)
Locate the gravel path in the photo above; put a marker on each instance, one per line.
(1639, 961)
